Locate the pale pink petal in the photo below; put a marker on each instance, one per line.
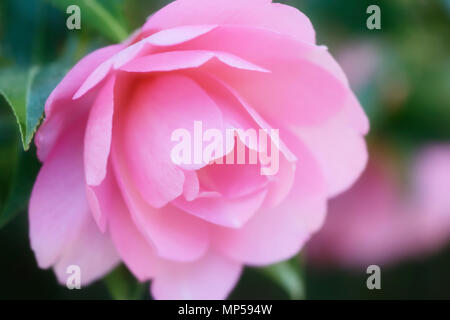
(281, 184)
(60, 110)
(157, 111)
(191, 186)
(302, 84)
(237, 114)
(168, 61)
(353, 113)
(135, 251)
(211, 277)
(92, 251)
(76, 76)
(355, 116)
(173, 233)
(278, 233)
(232, 213)
(97, 140)
(241, 190)
(340, 150)
(233, 180)
(95, 205)
(145, 46)
(129, 53)
(261, 13)
(176, 60)
(102, 199)
(58, 205)
(98, 75)
(177, 35)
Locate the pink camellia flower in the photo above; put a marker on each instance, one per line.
(386, 217)
(109, 191)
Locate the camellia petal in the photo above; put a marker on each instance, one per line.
(58, 206)
(57, 116)
(262, 13)
(211, 277)
(211, 139)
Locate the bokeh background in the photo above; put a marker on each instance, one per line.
(401, 75)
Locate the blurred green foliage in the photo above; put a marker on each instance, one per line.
(407, 99)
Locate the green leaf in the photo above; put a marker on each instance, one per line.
(287, 275)
(100, 16)
(122, 285)
(25, 91)
(22, 183)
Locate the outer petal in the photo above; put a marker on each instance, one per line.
(277, 233)
(135, 251)
(58, 205)
(261, 13)
(145, 46)
(97, 140)
(176, 60)
(103, 199)
(92, 251)
(212, 277)
(60, 110)
(352, 113)
(340, 150)
(299, 73)
(174, 234)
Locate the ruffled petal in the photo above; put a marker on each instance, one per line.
(144, 46)
(173, 233)
(232, 213)
(136, 252)
(211, 277)
(92, 251)
(58, 205)
(186, 59)
(157, 111)
(277, 233)
(60, 110)
(262, 13)
(340, 150)
(303, 83)
(97, 140)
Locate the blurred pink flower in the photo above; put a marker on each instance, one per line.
(383, 219)
(108, 190)
(360, 61)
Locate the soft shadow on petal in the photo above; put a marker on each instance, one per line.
(92, 251)
(277, 233)
(97, 140)
(58, 205)
(156, 112)
(173, 233)
(211, 277)
(340, 150)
